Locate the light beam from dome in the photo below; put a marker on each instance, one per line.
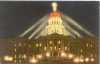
(38, 29)
(33, 26)
(72, 30)
(77, 25)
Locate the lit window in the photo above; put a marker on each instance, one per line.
(45, 48)
(92, 59)
(20, 44)
(87, 45)
(15, 49)
(59, 42)
(55, 47)
(40, 44)
(24, 56)
(39, 56)
(50, 42)
(65, 47)
(81, 50)
(8, 58)
(37, 45)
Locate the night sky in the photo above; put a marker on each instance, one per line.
(16, 17)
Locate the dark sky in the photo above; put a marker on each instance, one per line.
(16, 17)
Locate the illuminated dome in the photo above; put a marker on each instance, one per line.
(55, 24)
(52, 14)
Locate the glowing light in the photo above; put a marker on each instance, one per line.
(45, 48)
(55, 24)
(76, 60)
(33, 60)
(37, 45)
(39, 56)
(50, 42)
(59, 42)
(63, 54)
(70, 56)
(40, 44)
(8, 58)
(54, 6)
(92, 59)
(65, 47)
(86, 59)
(55, 47)
(87, 45)
(48, 54)
(15, 56)
(24, 56)
(15, 49)
(81, 60)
